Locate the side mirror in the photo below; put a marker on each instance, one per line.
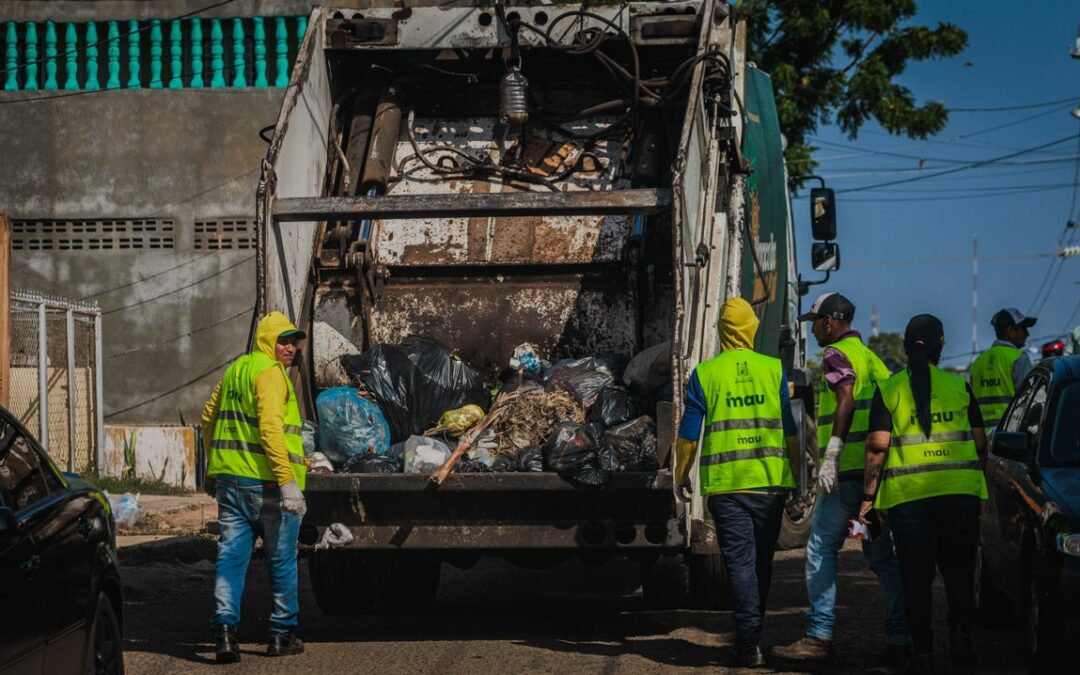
(825, 256)
(823, 213)
(9, 525)
(1013, 445)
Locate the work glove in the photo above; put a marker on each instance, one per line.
(828, 471)
(684, 492)
(292, 499)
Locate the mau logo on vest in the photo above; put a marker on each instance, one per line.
(990, 381)
(744, 401)
(935, 418)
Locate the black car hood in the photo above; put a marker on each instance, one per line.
(1063, 486)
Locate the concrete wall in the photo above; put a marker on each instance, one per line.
(183, 155)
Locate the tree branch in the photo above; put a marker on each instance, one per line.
(858, 56)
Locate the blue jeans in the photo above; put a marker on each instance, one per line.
(828, 532)
(940, 532)
(747, 526)
(246, 508)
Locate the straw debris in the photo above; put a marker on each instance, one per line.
(531, 416)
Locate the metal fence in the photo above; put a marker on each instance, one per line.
(55, 381)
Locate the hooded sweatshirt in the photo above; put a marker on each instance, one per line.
(738, 326)
(272, 391)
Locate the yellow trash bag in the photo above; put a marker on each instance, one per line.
(458, 421)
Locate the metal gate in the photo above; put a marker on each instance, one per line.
(56, 377)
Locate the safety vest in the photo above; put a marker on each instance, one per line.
(992, 381)
(870, 372)
(236, 449)
(743, 446)
(943, 464)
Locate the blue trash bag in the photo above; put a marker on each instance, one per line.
(350, 425)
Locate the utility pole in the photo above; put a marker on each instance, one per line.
(974, 295)
(5, 310)
(874, 319)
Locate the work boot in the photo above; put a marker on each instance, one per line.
(807, 648)
(284, 644)
(961, 649)
(227, 647)
(749, 656)
(921, 664)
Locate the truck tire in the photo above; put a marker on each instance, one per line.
(339, 580)
(665, 581)
(709, 587)
(403, 581)
(798, 513)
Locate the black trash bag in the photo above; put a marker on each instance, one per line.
(369, 463)
(574, 452)
(531, 458)
(415, 382)
(584, 378)
(616, 404)
(633, 445)
(466, 465)
(505, 462)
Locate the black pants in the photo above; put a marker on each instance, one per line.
(942, 532)
(747, 526)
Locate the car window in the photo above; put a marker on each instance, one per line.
(1034, 413)
(23, 479)
(1065, 441)
(1016, 414)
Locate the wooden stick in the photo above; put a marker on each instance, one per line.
(467, 439)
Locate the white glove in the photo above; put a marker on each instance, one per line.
(292, 499)
(828, 471)
(684, 493)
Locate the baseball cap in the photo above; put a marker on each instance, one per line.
(832, 305)
(1011, 316)
(291, 333)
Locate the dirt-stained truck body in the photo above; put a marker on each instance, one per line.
(586, 179)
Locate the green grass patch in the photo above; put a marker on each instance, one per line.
(146, 486)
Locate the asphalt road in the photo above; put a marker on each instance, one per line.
(499, 618)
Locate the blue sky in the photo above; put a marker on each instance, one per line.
(907, 248)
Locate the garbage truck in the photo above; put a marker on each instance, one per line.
(585, 178)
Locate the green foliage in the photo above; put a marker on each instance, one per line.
(129, 456)
(890, 347)
(838, 61)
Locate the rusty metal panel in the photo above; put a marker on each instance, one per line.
(164, 453)
(485, 318)
(498, 240)
(335, 330)
(484, 536)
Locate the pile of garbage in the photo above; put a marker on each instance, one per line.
(416, 402)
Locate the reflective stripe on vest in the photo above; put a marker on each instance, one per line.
(992, 382)
(743, 446)
(870, 372)
(236, 448)
(921, 466)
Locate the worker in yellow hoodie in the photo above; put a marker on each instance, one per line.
(747, 451)
(256, 460)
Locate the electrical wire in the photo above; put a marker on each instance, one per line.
(162, 395)
(1055, 265)
(181, 288)
(1029, 106)
(244, 312)
(119, 37)
(148, 278)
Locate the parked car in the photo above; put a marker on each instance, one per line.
(1029, 556)
(60, 592)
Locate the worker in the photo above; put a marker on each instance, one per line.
(256, 459)
(850, 374)
(998, 371)
(925, 456)
(741, 397)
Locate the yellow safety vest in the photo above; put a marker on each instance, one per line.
(870, 372)
(992, 381)
(236, 449)
(743, 446)
(946, 463)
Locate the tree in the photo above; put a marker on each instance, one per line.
(890, 347)
(838, 59)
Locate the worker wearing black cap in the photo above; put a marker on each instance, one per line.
(850, 374)
(998, 371)
(924, 468)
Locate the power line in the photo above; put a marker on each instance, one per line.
(162, 395)
(243, 312)
(181, 288)
(1028, 106)
(152, 276)
(119, 37)
(1056, 264)
(1003, 192)
(973, 165)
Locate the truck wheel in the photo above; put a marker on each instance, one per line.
(339, 580)
(709, 582)
(403, 581)
(798, 513)
(665, 581)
